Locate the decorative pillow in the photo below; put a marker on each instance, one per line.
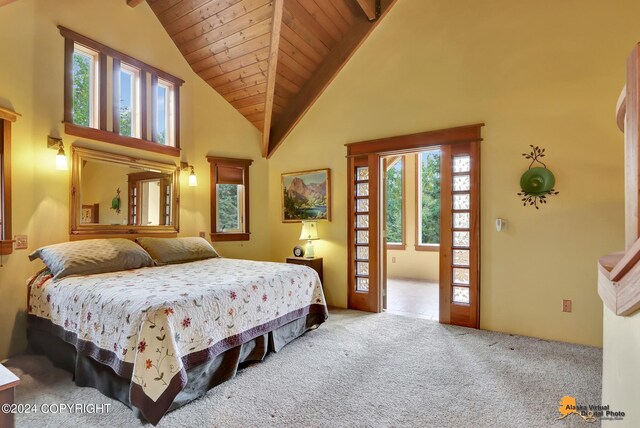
(177, 250)
(92, 256)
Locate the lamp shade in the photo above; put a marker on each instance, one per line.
(309, 230)
(61, 161)
(193, 180)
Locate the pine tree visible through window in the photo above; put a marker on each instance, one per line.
(429, 197)
(394, 195)
(84, 86)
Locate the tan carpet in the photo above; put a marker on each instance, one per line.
(364, 370)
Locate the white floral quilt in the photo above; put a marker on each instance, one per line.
(166, 319)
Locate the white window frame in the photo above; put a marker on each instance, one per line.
(240, 200)
(94, 79)
(170, 116)
(135, 98)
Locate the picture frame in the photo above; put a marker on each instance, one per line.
(90, 214)
(306, 195)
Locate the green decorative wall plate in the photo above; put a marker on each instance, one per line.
(537, 181)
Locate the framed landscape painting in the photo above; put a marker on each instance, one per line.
(306, 195)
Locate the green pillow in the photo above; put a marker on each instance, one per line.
(177, 250)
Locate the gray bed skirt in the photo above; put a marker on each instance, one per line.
(89, 372)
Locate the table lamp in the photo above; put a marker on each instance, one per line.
(309, 232)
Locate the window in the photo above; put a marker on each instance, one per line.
(95, 73)
(394, 192)
(229, 199)
(129, 102)
(6, 118)
(85, 86)
(428, 197)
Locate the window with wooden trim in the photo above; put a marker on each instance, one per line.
(144, 101)
(428, 200)
(395, 201)
(6, 242)
(229, 198)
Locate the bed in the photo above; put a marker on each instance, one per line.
(158, 337)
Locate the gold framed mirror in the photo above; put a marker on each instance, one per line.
(115, 194)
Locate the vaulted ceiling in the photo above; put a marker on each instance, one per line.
(270, 59)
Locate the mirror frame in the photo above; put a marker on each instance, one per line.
(78, 230)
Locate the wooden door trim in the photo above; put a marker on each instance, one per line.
(373, 151)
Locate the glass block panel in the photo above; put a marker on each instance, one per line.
(362, 284)
(460, 276)
(461, 220)
(362, 205)
(461, 163)
(461, 183)
(461, 202)
(362, 253)
(362, 189)
(461, 295)
(461, 257)
(362, 268)
(362, 237)
(362, 221)
(460, 239)
(362, 173)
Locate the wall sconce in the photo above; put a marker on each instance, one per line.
(193, 180)
(61, 158)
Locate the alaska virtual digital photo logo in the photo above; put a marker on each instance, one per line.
(589, 413)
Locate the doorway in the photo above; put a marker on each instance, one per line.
(412, 223)
(459, 250)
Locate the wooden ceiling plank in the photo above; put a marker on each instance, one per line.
(130, 3)
(320, 16)
(300, 43)
(346, 9)
(235, 39)
(235, 12)
(274, 48)
(161, 6)
(198, 14)
(245, 92)
(231, 27)
(258, 124)
(300, 15)
(258, 108)
(368, 7)
(286, 59)
(287, 86)
(298, 56)
(323, 77)
(233, 53)
(245, 60)
(334, 15)
(249, 101)
(255, 117)
(305, 33)
(246, 82)
(287, 73)
(168, 11)
(211, 73)
(242, 73)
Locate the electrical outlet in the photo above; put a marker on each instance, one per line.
(566, 305)
(202, 234)
(22, 242)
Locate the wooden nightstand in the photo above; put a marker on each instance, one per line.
(314, 263)
(8, 382)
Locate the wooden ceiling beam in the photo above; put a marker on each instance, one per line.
(324, 75)
(368, 7)
(134, 3)
(274, 47)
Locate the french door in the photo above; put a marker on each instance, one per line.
(459, 221)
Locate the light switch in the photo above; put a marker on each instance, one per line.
(21, 242)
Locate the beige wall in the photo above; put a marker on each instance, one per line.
(100, 180)
(409, 263)
(545, 73)
(31, 79)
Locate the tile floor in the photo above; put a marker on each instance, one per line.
(412, 298)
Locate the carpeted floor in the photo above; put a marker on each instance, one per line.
(364, 370)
